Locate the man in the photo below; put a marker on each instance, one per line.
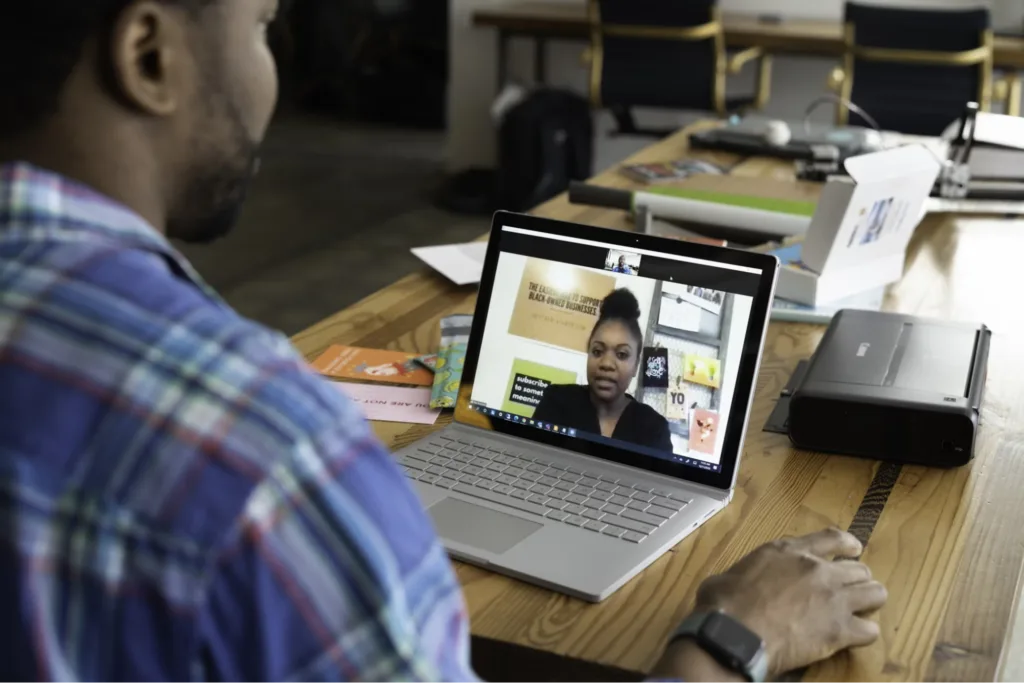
(179, 497)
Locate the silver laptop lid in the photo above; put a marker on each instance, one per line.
(626, 347)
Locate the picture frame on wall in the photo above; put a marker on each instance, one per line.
(702, 370)
(655, 368)
(710, 300)
(675, 405)
(704, 431)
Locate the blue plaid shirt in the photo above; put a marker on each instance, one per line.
(180, 498)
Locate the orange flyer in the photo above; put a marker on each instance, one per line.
(374, 365)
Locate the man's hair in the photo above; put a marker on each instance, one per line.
(41, 41)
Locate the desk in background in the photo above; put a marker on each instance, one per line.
(544, 21)
(949, 544)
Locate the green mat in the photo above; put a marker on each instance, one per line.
(787, 206)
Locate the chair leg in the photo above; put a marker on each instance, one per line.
(1013, 94)
(624, 120)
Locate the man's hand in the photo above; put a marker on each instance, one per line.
(805, 607)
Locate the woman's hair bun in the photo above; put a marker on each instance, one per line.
(620, 304)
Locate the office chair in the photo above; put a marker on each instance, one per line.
(665, 54)
(913, 71)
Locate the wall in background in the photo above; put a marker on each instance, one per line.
(796, 80)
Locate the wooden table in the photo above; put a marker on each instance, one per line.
(949, 544)
(543, 21)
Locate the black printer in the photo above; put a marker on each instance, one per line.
(892, 387)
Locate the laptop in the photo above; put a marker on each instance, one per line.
(579, 453)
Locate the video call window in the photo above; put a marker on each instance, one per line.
(608, 354)
(624, 262)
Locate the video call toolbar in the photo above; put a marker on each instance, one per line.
(512, 417)
(707, 276)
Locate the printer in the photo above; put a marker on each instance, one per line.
(892, 387)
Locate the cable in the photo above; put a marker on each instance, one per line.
(836, 99)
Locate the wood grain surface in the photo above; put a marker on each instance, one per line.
(568, 20)
(948, 543)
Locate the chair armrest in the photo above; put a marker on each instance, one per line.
(764, 82)
(836, 78)
(1008, 91)
(737, 61)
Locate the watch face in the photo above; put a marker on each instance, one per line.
(737, 640)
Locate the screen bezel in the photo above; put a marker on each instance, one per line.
(757, 330)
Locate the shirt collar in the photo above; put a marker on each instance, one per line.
(33, 199)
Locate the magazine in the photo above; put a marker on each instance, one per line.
(667, 171)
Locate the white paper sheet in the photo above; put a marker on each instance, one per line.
(463, 264)
(391, 404)
(681, 315)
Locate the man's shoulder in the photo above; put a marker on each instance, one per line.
(191, 406)
(151, 321)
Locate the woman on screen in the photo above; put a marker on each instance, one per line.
(602, 406)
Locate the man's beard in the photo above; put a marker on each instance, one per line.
(215, 193)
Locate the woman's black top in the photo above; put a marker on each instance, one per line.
(569, 405)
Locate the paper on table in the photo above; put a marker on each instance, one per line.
(372, 365)
(463, 264)
(391, 404)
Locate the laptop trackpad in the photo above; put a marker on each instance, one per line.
(479, 527)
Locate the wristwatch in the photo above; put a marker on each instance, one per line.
(732, 644)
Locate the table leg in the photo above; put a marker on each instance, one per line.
(502, 58)
(540, 60)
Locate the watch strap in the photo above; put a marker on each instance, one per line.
(755, 669)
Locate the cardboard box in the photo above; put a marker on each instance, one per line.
(858, 237)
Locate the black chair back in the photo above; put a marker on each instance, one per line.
(657, 53)
(914, 70)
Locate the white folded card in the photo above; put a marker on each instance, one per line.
(859, 234)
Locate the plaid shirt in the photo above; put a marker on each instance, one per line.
(180, 498)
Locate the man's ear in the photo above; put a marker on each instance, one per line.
(148, 56)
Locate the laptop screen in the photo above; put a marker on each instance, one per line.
(616, 346)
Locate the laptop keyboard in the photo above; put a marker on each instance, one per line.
(596, 501)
